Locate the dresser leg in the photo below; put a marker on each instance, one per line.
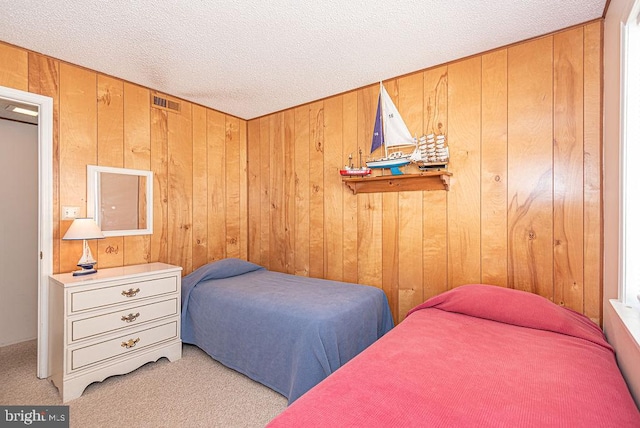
(174, 352)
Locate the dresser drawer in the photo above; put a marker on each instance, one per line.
(94, 325)
(82, 300)
(125, 344)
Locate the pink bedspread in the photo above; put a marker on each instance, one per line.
(476, 356)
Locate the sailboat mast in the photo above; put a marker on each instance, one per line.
(382, 116)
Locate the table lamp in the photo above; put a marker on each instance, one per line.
(84, 228)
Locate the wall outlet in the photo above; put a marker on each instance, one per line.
(70, 213)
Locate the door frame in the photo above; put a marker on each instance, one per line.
(45, 213)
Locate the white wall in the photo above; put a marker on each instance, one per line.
(18, 232)
(627, 349)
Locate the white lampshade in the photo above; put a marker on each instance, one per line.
(83, 228)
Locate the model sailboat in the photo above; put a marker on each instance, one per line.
(390, 131)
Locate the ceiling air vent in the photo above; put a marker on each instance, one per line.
(165, 103)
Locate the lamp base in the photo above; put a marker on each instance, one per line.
(87, 269)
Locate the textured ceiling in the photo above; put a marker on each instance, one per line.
(252, 57)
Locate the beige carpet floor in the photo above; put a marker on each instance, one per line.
(195, 391)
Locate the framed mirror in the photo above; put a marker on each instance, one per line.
(120, 200)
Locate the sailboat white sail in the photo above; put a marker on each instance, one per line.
(391, 131)
(395, 130)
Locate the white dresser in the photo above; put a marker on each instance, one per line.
(111, 323)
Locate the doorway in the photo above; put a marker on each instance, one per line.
(18, 224)
(44, 256)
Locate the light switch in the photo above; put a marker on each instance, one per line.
(70, 213)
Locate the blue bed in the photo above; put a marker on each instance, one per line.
(284, 331)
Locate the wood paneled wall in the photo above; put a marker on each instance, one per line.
(524, 211)
(198, 157)
(523, 125)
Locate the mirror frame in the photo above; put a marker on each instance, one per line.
(93, 197)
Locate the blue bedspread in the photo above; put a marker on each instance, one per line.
(284, 331)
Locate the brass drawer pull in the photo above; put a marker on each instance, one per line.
(130, 343)
(131, 292)
(130, 317)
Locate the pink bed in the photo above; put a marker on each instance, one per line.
(477, 355)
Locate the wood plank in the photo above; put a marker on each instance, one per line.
(78, 147)
(436, 100)
(370, 240)
(333, 249)
(110, 153)
(289, 122)
(592, 172)
(254, 168)
(265, 214)
(232, 183)
(494, 168)
(434, 215)
(159, 166)
(137, 155)
(276, 207)
(316, 190)
(568, 167)
(110, 121)
(410, 102)
(464, 122)
(410, 210)
(137, 125)
(44, 76)
(301, 230)
(530, 166)
(216, 172)
(389, 213)
(180, 192)
(435, 243)
(369, 204)
(244, 195)
(350, 203)
(200, 250)
(14, 67)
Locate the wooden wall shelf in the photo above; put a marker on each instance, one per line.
(430, 180)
